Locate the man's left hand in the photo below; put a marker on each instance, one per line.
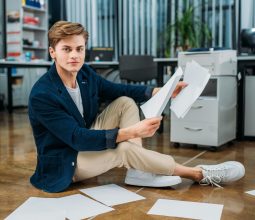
(181, 85)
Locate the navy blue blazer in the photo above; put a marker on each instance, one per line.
(60, 131)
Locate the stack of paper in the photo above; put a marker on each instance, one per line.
(195, 76)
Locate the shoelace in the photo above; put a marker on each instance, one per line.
(213, 180)
(213, 177)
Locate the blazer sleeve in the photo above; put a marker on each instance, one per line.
(47, 111)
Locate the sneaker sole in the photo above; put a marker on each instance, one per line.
(137, 182)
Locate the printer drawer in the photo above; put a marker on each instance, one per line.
(203, 110)
(194, 133)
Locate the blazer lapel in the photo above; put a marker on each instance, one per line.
(65, 96)
(82, 80)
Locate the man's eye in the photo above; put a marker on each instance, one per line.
(66, 49)
(80, 49)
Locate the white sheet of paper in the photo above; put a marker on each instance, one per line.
(39, 209)
(197, 77)
(251, 192)
(112, 194)
(79, 207)
(156, 104)
(183, 209)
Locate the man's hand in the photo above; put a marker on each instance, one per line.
(176, 91)
(142, 129)
(181, 85)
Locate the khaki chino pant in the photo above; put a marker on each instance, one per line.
(122, 112)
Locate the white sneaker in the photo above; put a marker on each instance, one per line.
(140, 178)
(221, 173)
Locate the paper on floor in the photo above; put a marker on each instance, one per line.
(112, 194)
(74, 207)
(39, 209)
(79, 207)
(251, 192)
(156, 104)
(196, 77)
(183, 209)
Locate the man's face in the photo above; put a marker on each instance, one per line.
(69, 54)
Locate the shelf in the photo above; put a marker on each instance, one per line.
(33, 28)
(33, 9)
(17, 75)
(33, 48)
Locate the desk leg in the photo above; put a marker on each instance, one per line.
(9, 89)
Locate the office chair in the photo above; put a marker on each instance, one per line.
(138, 68)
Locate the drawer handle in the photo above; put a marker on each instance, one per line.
(197, 107)
(193, 129)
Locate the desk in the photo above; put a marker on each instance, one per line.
(103, 64)
(12, 64)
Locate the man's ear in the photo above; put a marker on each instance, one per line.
(52, 52)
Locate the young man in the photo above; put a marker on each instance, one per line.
(75, 143)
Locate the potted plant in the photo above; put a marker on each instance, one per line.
(190, 31)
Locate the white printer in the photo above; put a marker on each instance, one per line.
(212, 119)
(219, 62)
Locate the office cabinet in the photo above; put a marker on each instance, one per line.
(211, 121)
(26, 41)
(26, 31)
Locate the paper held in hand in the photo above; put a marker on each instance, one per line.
(195, 76)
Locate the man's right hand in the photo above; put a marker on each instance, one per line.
(142, 129)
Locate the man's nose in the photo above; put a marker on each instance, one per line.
(74, 54)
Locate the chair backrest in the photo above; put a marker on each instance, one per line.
(137, 68)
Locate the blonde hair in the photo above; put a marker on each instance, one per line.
(63, 29)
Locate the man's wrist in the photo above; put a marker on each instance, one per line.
(125, 134)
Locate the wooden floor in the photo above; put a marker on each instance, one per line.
(18, 158)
